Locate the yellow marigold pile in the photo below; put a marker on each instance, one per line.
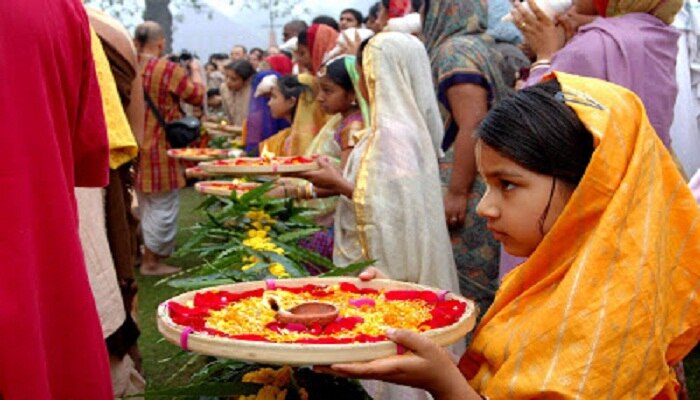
(259, 240)
(275, 384)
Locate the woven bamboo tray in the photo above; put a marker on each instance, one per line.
(216, 188)
(197, 154)
(277, 166)
(215, 129)
(306, 354)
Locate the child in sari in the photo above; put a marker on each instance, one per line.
(607, 300)
(236, 91)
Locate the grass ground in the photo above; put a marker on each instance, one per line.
(163, 362)
(175, 371)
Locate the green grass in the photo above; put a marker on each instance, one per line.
(154, 350)
(160, 368)
(692, 373)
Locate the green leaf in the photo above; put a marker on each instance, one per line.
(301, 254)
(200, 282)
(257, 192)
(208, 202)
(296, 235)
(189, 246)
(349, 270)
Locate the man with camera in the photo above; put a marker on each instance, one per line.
(160, 177)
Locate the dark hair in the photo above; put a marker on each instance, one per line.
(242, 68)
(373, 12)
(258, 50)
(537, 130)
(302, 38)
(218, 57)
(297, 25)
(386, 4)
(245, 49)
(416, 5)
(355, 13)
(338, 73)
(213, 92)
(326, 20)
(290, 87)
(361, 50)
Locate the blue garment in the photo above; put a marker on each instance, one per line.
(260, 125)
(499, 30)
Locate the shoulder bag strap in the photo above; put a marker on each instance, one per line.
(153, 108)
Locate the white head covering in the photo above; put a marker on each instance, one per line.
(409, 23)
(265, 86)
(396, 215)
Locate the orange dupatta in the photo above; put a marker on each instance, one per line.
(321, 40)
(609, 299)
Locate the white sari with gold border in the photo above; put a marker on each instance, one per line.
(396, 215)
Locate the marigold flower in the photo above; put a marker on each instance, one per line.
(278, 270)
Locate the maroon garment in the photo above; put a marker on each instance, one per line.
(54, 138)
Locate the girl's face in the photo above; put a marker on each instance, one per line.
(233, 81)
(347, 20)
(303, 56)
(279, 106)
(373, 24)
(516, 200)
(333, 98)
(586, 7)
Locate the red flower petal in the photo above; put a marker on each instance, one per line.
(426, 295)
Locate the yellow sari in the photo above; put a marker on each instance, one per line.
(609, 299)
(122, 144)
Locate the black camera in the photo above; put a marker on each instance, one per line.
(183, 58)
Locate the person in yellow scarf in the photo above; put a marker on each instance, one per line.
(608, 300)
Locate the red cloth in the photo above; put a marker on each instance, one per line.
(602, 7)
(54, 137)
(280, 63)
(320, 39)
(399, 8)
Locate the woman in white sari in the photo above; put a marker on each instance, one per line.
(390, 209)
(390, 206)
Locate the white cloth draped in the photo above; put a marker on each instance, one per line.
(159, 213)
(685, 130)
(98, 259)
(396, 215)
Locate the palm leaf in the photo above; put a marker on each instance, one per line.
(349, 270)
(296, 235)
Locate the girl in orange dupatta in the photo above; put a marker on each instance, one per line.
(608, 298)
